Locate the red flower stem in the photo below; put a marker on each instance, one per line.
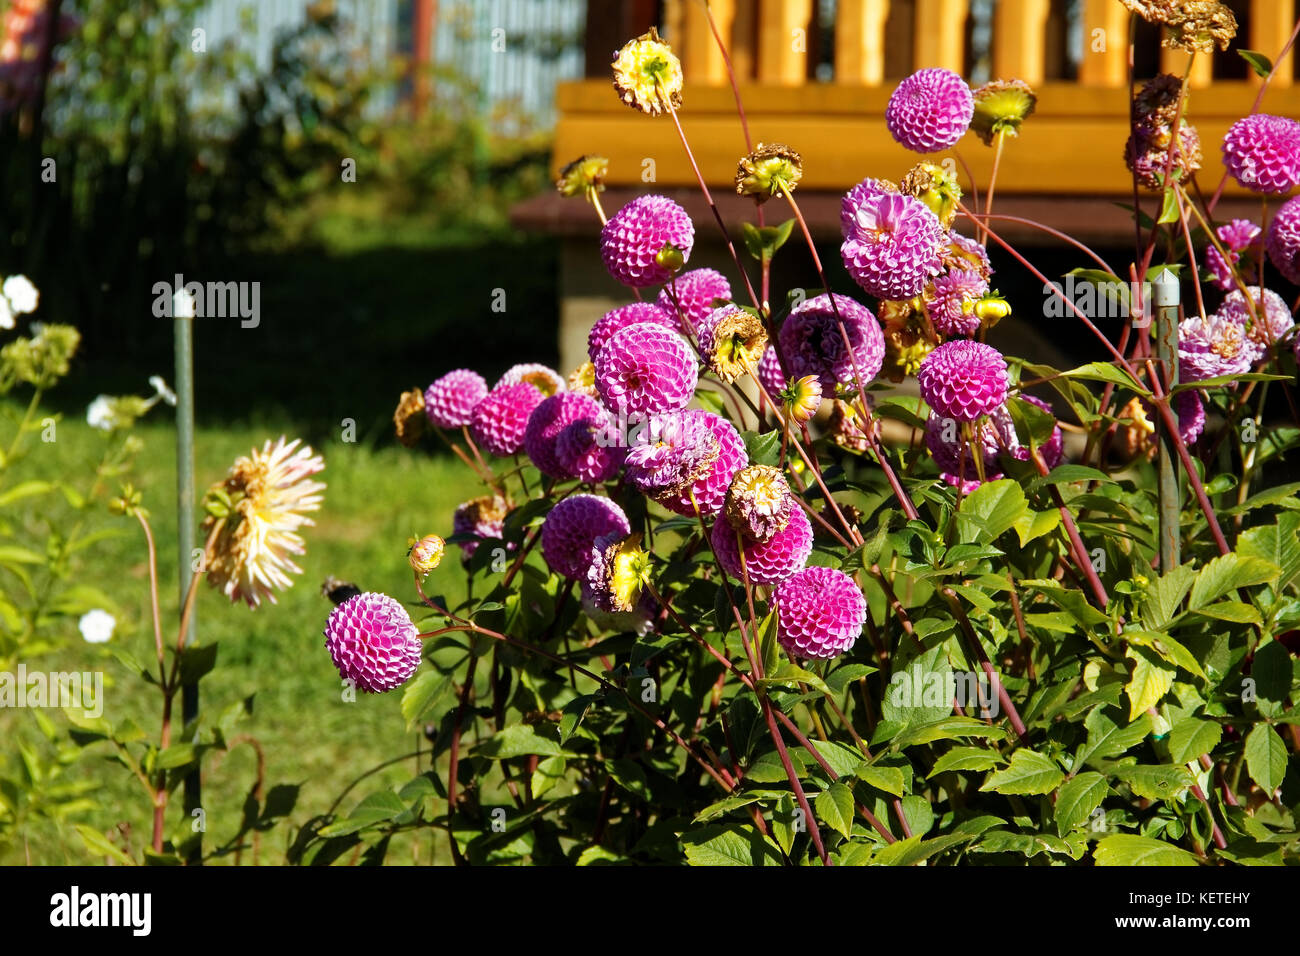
(708, 196)
(465, 692)
(993, 180)
(986, 665)
(809, 819)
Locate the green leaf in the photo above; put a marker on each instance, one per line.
(1273, 672)
(197, 662)
(1228, 573)
(1266, 758)
(1168, 649)
(763, 449)
(946, 729)
(1126, 849)
(991, 509)
(378, 807)
(1162, 596)
(840, 678)
(177, 755)
(966, 758)
(1078, 798)
(1151, 782)
(834, 806)
(572, 715)
(1169, 207)
(1107, 739)
(13, 554)
(517, 741)
(1106, 372)
(729, 803)
(1029, 773)
(888, 779)
(24, 489)
(1277, 544)
(1149, 681)
(549, 773)
(718, 845)
(422, 693)
(1261, 64)
(1035, 524)
(100, 845)
(1191, 737)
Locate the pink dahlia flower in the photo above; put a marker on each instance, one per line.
(1284, 240)
(1218, 345)
(634, 240)
(930, 110)
(893, 247)
(963, 380)
(588, 449)
(687, 462)
(646, 369)
(813, 344)
(449, 402)
(548, 420)
(501, 418)
(696, 293)
(769, 372)
(372, 642)
(1262, 153)
(571, 529)
(819, 613)
(617, 319)
(1275, 321)
(767, 562)
(951, 299)
(1239, 236)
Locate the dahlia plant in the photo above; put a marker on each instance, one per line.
(846, 583)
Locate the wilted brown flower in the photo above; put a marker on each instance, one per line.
(583, 176)
(648, 75)
(767, 171)
(1001, 106)
(409, 418)
(936, 187)
(758, 502)
(732, 342)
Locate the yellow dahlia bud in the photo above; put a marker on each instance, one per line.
(767, 170)
(991, 309)
(426, 554)
(583, 379)
(648, 75)
(583, 176)
(409, 418)
(1000, 107)
(732, 342)
(936, 187)
(758, 502)
(1135, 438)
(802, 398)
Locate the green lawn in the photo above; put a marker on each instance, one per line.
(375, 500)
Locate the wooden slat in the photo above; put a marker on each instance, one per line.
(1173, 60)
(673, 27)
(744, 35)
(860, 41)
(702, 61)
(783, 52)
(940, 40)
(1105, 56)
(1019, 38)
(1271, 22)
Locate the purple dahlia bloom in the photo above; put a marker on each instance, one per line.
(696, 291)
(1284, 240)
(449, 402)
(963, 380)
(645, 369)
(767, 562)
(1217, 346)
(930, 110)
(1238, 236)
(893, 247)
(819, 613)
(951, 303)
(633, 238)
(571, 529)
(548, 420)
(372, 642)
(1262, 153)
(813, 343)
(682, 468)
(617, 319)
(501, 418)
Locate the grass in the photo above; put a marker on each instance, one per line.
(376, 499)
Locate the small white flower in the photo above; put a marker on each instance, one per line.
(22, 295)
(160, 386)
(99, 413)
(6, 315)
(97, 626)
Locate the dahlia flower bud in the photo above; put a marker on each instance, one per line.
(768, 171)
(758, 502)
(936, 187)
(426, 554)
(992, 308)
(1135, 437)
(648, 75)
(1001, 106)
(409, 418)
(803, 398)
(732, 342)
(372, 642)
(819, 613)
(1146, 153)
(582, 177)
(905, 350)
